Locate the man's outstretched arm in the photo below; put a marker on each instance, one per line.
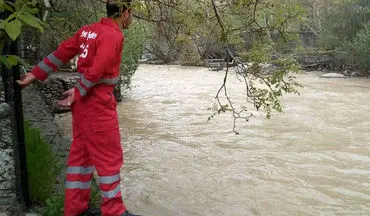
(66, 51)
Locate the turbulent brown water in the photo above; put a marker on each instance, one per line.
(313, 159)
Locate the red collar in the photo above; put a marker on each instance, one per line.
(110, 22)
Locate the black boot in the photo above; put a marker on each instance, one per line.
(92, 212)
(129, 214)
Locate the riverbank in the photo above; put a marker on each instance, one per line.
(47, 150)
(308, 60)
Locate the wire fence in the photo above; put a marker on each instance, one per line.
(7, 153)
(13, 166)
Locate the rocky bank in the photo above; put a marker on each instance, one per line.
(39, 101)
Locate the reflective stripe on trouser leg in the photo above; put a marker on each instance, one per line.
(112, 199)
(80, 170)
(112, 193)
(106, 184)
(78, 185)
(107, 157)
(109, 179)
(78, 188)
(78, 177)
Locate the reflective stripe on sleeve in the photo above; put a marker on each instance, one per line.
(46, 68)
(55, 60)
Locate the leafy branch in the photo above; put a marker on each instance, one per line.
(264, 83)
(21, 12)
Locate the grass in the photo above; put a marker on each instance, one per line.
(47, 196)
(42, 166)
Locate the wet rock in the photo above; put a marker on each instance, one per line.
(40, 115)
(7, 166)
(4, 110)
(333, 75)
(355, 74)
(53, 88)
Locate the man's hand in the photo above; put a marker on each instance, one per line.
(26, 79)
(70, 98)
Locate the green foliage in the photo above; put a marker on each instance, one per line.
(188, 52)
(54, 205)
(267, 79)
(345, 30)
(42, 165)
(342, 21)
(361, 47)
(132, 52)
(251, 31)
(71, 16)
(96, 198)
(21, 12)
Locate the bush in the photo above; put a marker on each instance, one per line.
(345, 30)
(54, 205)
(361, 47)
(188, 53)
(342, 21)
(132, 52)
(42, 166)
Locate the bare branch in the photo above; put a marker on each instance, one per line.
(47, 3)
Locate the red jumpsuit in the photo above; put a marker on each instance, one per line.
(96, 137)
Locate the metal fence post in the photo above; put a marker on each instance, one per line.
(19, 124)
(14, 99)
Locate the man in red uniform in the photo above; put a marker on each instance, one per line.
(96, 137)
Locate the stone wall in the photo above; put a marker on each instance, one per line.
(40, 115)
(322, 61)
(7, 165)
(51, 90)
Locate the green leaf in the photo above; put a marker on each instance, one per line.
(2, 7)
(13, 29)
(6, 21)
(14, 60)
(31, 10)
(3, 24)
(5, 62)
(7, 7)
(32, 21)
(11, 60)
